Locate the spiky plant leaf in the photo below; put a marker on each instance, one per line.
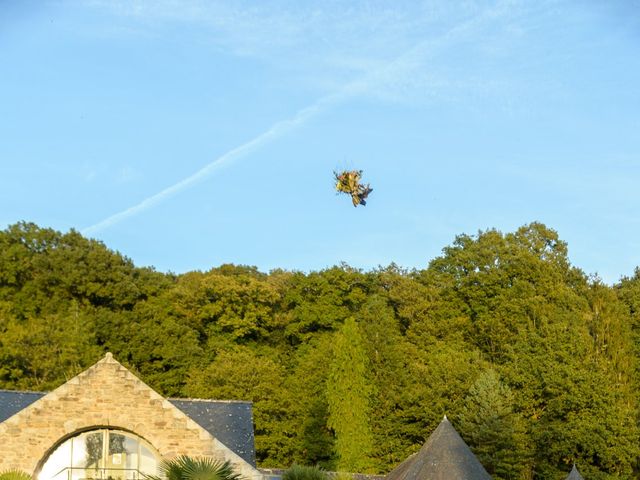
(14, 475)
(185, 467)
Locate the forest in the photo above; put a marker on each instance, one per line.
(534, 362)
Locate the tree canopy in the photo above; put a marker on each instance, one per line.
(535, 363)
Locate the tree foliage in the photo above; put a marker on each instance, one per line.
(348, 395)
(535, 362)
(488, 421)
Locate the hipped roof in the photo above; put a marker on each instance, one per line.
(444, 456)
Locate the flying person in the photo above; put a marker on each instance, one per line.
(348, 181)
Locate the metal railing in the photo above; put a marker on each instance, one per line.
(77, 473)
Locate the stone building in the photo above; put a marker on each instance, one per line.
(106, 423)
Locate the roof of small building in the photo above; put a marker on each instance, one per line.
(574, 474)
(231, 422)
(444, 456)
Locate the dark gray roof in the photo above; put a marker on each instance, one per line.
(12, 402)
(574, 474)
(444, 456)
(231, 422)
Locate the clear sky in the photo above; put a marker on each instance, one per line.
(186, 133)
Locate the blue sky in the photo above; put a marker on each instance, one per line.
(187, 134)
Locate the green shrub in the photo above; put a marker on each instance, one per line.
(299, 472)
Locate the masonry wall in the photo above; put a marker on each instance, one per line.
(106, 395)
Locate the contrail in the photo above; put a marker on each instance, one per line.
(381, 75)
(277, 130)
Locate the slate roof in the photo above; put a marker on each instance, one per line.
(231, 422)
(574, 474)
(12, 402)
(444, 456)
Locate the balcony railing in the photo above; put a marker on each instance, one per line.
(76, 473)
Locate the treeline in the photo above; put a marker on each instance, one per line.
(535, 363)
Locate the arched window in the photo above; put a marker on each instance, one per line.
(101, 455)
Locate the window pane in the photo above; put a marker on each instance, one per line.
(87, 450)
(56, 465)
(148, 462)
(100, 454)
(116, 457)
(131, 445)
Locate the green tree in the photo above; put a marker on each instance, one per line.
(240, 373)
(312, 441)
(494, 431)
(531, 314)
(321, 301)
(349, 398)
(237, 302)
(157, 346)
(566, 346)
(42, 270)
(392, 363)
(40, 353)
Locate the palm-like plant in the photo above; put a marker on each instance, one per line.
(14, 475)
(200, 468)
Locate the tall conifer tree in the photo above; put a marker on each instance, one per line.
(348, 395)
(494, 431)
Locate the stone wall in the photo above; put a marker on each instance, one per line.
(106, 395)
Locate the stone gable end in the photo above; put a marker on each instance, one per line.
(107, 395)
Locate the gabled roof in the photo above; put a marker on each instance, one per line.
(574, 474)
(231, 422)
(444, 456)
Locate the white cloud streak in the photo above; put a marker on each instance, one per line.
(277, 130)
(379, 79)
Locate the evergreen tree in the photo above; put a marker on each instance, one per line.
(496, 434)
(349, 398)
(312, 441)
(391, 371)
